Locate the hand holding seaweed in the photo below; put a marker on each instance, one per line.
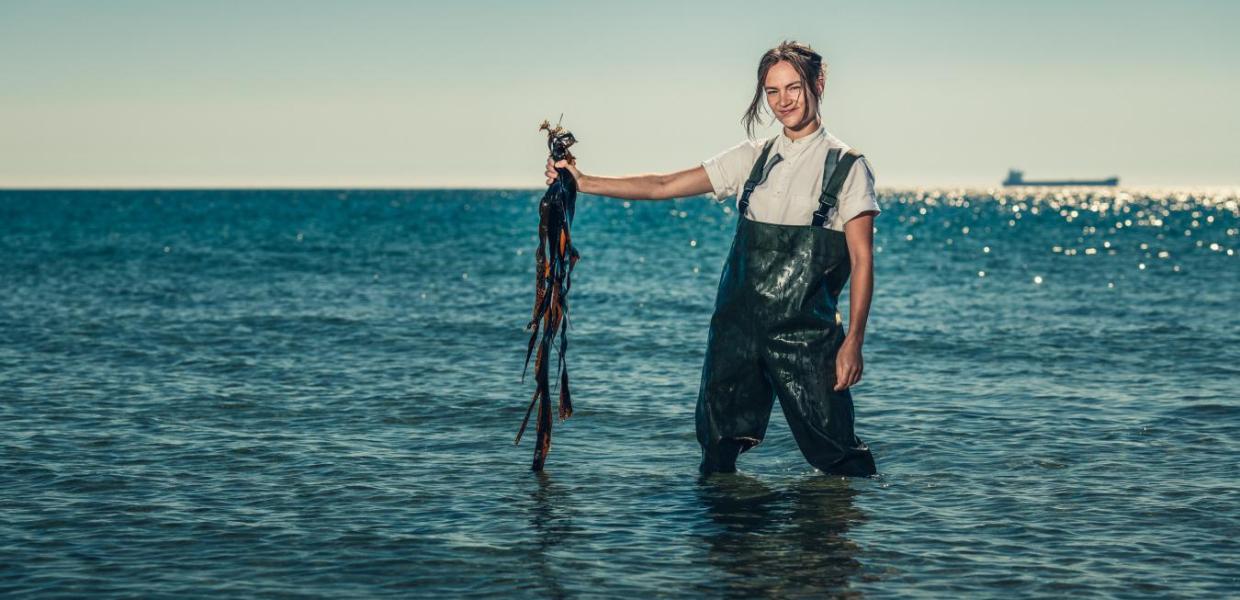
(553, 264)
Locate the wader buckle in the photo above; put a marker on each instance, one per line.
(834, 172)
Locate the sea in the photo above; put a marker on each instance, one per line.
(315, 394)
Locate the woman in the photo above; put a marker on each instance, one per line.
(806, 210)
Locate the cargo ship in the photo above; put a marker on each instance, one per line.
(1016, 178)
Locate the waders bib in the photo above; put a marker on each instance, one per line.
(775, 334)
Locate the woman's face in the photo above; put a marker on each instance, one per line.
(784, 94)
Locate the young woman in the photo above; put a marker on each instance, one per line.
(806, 207)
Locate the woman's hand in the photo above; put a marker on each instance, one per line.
(551, 172)
(847, 365)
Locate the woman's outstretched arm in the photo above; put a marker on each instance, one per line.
(658, 186)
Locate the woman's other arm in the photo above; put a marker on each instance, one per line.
(660, 186)
(859, 233)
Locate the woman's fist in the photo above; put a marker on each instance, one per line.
(563, 164)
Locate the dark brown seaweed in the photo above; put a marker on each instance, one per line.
(554, 260)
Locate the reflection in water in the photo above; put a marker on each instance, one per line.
(552, 524)
(781, 543)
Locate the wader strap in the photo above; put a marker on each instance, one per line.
(758, 174)
(834, 173)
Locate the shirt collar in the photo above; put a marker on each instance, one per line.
(802, 143)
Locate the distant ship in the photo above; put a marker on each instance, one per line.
(1016, 177)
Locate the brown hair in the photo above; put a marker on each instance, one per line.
(808, 65)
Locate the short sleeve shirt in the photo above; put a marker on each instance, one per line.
(789, 196)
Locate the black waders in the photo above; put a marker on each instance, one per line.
(775, 333)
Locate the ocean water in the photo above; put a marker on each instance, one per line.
(315, 394)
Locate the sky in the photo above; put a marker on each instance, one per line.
(450, 94)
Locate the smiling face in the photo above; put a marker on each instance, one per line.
(786, 97)
(791, 78)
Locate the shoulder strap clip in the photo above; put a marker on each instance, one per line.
(758, 174)
(835, 171)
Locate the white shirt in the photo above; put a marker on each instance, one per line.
(789, 196)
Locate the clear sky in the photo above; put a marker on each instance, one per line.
(450, 94)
